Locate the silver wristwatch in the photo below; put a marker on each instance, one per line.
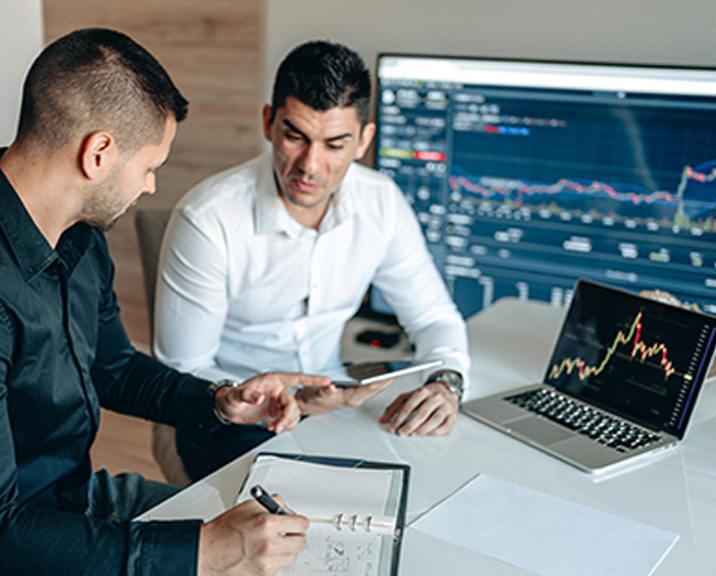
(451, 380)
(213, 388)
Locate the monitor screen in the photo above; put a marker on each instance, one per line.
(638, 358)
(528, 175)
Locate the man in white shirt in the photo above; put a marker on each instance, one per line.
(263, 264)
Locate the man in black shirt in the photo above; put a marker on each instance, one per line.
(98, 117)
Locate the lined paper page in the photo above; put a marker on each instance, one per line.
(324, 491)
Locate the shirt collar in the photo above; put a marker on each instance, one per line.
(271, 215)
(29, 247)
(343, 204)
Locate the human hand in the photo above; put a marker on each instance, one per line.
(313, 400)
(265, 397)
(247, 540)
(429, 410)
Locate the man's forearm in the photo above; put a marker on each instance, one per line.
(37, 541)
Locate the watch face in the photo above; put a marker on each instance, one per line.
(452, 382)
(450, 378)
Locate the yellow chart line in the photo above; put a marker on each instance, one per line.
(639, 349)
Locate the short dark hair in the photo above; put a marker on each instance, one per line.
(323, 75)
(97, 79)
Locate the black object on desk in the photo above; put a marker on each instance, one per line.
(379, 338)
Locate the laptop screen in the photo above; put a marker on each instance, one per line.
(636, 357)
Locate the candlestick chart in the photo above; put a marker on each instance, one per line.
(632, 356)
(630, 344)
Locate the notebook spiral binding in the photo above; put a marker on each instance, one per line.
(354, 522)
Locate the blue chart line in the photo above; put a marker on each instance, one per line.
(692, 204)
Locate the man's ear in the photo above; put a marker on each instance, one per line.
(98, 155)
(266, 118)
(365, 138)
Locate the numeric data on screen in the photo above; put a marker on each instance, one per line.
(521, 189)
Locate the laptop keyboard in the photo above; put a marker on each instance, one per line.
(605, 429)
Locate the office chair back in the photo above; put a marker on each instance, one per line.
(150, 225)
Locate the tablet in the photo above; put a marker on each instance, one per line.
(362, 373)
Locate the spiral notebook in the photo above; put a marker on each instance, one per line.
(356, 507)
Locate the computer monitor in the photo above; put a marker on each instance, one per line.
(527, 175)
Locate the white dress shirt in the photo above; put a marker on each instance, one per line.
(243, 288)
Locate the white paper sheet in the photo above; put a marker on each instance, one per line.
(544, 534)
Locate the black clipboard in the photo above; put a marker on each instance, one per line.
(397, 538)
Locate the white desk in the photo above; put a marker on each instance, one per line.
(510, 344)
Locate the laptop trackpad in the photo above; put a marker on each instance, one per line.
(538, 430)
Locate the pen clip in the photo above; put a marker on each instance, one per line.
(263, 498)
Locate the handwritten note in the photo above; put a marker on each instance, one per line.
(325, 491)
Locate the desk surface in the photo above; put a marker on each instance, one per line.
(510, 344)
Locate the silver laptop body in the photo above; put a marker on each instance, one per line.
(621, 385)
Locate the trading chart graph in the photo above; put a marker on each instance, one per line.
(627, 345)
(590, 201)
(644, 358)
(524, 187)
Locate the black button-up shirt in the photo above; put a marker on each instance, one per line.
(63, 354)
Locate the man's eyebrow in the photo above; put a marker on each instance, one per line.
(345, 136)
(293, 128)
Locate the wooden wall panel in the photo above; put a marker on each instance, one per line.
(213, 49)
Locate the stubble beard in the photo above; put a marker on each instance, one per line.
(103, 210)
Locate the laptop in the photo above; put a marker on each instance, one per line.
(621, 385)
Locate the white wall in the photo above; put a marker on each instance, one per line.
(21, 39)
(631, 31)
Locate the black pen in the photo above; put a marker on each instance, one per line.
(264, 498)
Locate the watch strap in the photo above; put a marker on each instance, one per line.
(213, 388)
(451, 380)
